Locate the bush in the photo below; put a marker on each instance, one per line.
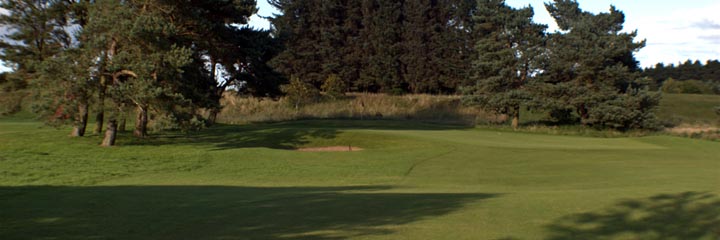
(687, 86)
(299, 93)
(334, 87)
(634, 110)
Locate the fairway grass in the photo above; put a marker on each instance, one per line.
(411, 181)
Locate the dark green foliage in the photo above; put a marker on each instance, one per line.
(510, 54)
(144, 55)
(592, 70)
(437, 45)
(632, 110)
(382, 35)
(250, 72)
(299, 30)
(687, 86)
(417, 46)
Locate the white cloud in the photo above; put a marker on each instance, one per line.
(690, 33)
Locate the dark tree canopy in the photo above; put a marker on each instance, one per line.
(592, 70)
(510, 56)
(416, 46)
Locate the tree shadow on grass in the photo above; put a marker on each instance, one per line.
(215, 212)
(283, 135)
(689, 215)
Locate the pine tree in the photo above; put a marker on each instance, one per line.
(382, 71)
(510, 56)
(593, 72)
(298, 28)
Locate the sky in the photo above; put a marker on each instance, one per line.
(675, 30)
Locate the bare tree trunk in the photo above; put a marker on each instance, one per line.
(141, 122)
(212, 117)
(110, 134)
(516, 117)
(81, 122)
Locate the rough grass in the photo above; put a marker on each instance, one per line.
(427, 108)
(411, 181)
(675, 109)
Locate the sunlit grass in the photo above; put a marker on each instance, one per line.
(411, 181)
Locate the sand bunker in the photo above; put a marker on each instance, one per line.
(331, 149)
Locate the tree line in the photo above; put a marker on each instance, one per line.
(172, 61)
(490, 52)
(688, 70)
(377, 46)
(689, 77)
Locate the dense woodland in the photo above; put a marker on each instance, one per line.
(172, 61)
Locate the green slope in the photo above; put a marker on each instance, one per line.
(690, 108)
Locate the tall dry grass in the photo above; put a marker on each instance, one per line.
(427, 108)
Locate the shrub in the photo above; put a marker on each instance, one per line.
(634, 110)
(334, 87)
(687, 86)
(299, 93)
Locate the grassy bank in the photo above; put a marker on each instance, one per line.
(690, 109)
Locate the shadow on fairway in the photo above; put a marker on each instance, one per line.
(283, 135)
(214, 212)
(689, 215)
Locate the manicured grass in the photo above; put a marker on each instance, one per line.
(412, 181)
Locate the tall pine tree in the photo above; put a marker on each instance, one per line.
(593, 71)
(510, 54)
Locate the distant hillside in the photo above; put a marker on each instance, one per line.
(690, 108)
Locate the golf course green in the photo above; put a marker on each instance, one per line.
(409, 181)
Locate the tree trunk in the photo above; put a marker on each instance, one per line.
(212, 117)
(110, 134)
(141, 122)
(100, 115)
(81, 122)
(516, 117)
